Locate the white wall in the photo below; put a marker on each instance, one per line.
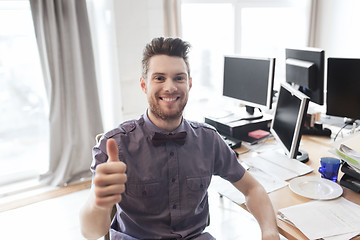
(137, 22)
(338, 28)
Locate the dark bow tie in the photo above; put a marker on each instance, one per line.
(160, 138)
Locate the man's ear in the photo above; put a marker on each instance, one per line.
(143, 85)
(190, 83)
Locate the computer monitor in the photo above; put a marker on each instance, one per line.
(249, 80)
(343, 86)
(305, 71)
(288, 121)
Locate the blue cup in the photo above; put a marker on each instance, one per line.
(329, 168)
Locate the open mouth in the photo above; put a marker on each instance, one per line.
(169, 99)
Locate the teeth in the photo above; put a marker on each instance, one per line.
(169, 99)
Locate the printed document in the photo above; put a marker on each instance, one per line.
(225, 188)
(322, 219)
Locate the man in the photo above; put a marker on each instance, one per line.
(168, 162)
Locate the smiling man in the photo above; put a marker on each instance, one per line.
(166, 83)
(156, 169)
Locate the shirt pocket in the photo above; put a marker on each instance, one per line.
(144, 197)
(197, 192)
(143, 189)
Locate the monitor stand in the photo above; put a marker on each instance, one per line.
(242, 113)
(349, 121)
(302, 156)
(313, 123)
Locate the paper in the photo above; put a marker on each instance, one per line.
(269, 182)
(342, 236)
(321, 219)
(225, 188)
(348, 155)
(228, 190)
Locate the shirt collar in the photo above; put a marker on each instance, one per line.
(153, 128)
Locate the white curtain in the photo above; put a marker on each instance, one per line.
(172, 18)
(313, 20)
(63, 36)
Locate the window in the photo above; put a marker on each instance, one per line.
(24, 141)
(249, 28)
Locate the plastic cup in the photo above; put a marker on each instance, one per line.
(329, 168)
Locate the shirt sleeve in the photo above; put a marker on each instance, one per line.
(99, 151)
(226, 163)
(99, 154)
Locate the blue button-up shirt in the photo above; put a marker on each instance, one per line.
(166, 192)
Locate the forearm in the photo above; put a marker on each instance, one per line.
(259, 204)
(264, 215)
(94, 221)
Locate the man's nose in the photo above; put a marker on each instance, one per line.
(170, 85)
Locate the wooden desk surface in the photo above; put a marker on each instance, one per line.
(317, 147)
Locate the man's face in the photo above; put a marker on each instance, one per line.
(167, 86)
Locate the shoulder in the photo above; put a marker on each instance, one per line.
(198, 125)
(125, 128)
(204, 127)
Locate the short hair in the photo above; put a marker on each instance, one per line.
(165, 46)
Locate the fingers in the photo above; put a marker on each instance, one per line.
(108, 201)
(110, 195)
(111, 190)
(112, 150)
(110, 177)
(111, 168)
(109, 186)
(103, 179)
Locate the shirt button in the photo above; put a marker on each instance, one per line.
(171, 153)
(174, 206)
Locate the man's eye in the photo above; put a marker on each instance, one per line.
(180, 78)
(159, 78)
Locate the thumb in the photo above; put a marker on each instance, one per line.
(112, 151)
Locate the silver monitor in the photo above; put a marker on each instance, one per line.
(290, 112)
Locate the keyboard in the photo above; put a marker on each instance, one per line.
(279, 165)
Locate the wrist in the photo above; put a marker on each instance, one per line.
(270, 234)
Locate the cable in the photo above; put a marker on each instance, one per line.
(346, 124)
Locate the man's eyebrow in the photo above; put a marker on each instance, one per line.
(158, 73)
(181, 73)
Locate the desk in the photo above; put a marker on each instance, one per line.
(317, 147)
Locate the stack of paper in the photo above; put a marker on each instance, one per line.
(349, 155)
(351, 167)
(331, 220)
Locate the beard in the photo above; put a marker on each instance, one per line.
(165, 114)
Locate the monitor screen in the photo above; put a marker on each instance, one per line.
(249, 80)
(305, 71)
(343, 85)
(289, 118)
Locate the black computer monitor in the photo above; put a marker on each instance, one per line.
(288, 121)
(249, 80)
(305, 71)
(343, 86)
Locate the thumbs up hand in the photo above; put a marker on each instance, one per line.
(110, 178)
